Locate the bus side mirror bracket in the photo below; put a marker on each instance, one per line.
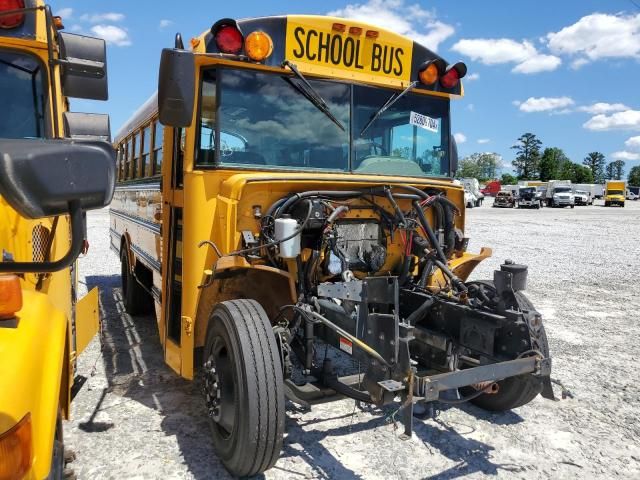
(46, 178)
(176, 87)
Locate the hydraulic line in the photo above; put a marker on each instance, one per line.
(429, 231)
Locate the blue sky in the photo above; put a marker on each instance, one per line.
(565, 70)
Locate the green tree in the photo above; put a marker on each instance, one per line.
(483, 166)
(527, 159)
(551, 163)
(468, 167)
(567, 172)
(595, 161)
(508, 179)
(634, 176)
(618, 169)
(582, 174)
(615, 170)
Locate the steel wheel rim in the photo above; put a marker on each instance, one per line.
(220, 388)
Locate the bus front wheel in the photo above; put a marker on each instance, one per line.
(243, 387)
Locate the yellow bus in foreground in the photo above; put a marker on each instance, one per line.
(54, 165)
(286, 203)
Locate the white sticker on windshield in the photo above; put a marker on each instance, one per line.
(423, 121)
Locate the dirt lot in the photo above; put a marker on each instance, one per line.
(134, 418)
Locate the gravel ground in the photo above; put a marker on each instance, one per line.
(135, 419)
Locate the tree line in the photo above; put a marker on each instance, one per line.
(532, 162)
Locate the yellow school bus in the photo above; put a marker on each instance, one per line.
(45, 151)
(286, 204)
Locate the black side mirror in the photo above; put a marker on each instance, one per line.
(176, 87)
(45, 178)
(84, 66)
(453, 156)
(87, 126)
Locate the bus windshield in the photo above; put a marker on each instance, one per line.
(257, 120)
(22, 94)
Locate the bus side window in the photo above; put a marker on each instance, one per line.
(135, 154)
(127, 159)
(145, 165)
(118, 162)
(157, 148)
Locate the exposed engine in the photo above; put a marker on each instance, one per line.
(374, 281)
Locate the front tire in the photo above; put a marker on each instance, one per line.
(516, 391)
(57, 455)
(244, 387)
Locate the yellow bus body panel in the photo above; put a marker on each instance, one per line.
(31, 363)
(87, 319)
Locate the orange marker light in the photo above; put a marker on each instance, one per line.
(355, 30)
(258, 46)
(372, 34)
(339, 27)
(10, 296)
(429, 75)
(15, 450)
(57, 21)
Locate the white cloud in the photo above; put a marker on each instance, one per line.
(598, 36)
(472, 77)
(65, 13)
(164, 23)
(482, 141)
(410, 20)
(495, 51)
(544, 104)
(603, 107)
(624, 155)
(102, 17)
(579, 63)
(633, 143)
(627, 120)
(460, 137)
(112, 34)
(538, 63)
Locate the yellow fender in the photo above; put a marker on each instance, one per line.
(32, 351)
(461, 267)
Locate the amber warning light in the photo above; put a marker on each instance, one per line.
(10, 296)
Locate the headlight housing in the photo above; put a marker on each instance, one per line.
(15, 450)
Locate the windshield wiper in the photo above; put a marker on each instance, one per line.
(311, 94)
(392, 99)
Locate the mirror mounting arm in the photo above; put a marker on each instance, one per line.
(77, 239)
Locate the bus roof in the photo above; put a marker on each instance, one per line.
(147, 110)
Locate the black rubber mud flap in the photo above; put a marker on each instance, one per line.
(547, 389)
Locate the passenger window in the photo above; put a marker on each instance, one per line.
(145, 165)
(157, 148)
(135, 155)
(128, 154)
